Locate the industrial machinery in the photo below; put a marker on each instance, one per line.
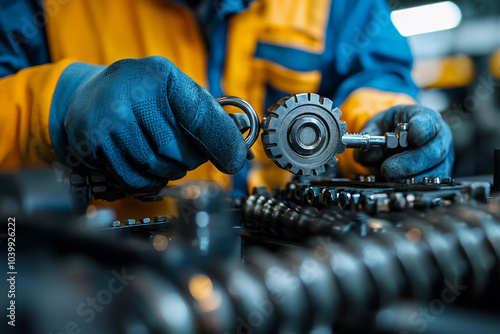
(320, 255)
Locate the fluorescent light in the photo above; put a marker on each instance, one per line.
(429, 18)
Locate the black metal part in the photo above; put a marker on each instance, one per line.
(320, 268)
(496, 171)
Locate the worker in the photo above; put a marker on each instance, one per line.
(127, 87)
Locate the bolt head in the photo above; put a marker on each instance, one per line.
(391, 140)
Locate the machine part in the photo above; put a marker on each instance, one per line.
(288, 295)
(365, 141)
(204, 225)
(422, 251)
(254, 127)
(496, 171)
(243, 124)
(209, 301)
(328, 197)
(159, 219)
(129, 221)
(303, 133)
(162, 298)
(324, 270)
(34, 193)
(390, 140)
(374, 203)
(320, 285)
(402, 134)
(477, 190)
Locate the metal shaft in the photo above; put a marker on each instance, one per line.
(357, 140)
(389, 139)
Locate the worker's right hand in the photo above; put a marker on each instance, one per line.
(143, 121)
(430, 144)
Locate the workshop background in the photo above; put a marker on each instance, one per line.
(180, 275)
(457, 66)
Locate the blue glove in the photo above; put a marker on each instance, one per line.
(430, 149)
(141, 120)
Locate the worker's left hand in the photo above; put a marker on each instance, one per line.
(429, 151)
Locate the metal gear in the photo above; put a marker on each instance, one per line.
(302, 133)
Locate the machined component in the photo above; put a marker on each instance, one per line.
(303, 133)
(247, 108)
(496, 170)
(313, 195)
(347, 267)
(129, 221)
(389, 140)
(479, 191)
(328, 197)
(374, 203)
(422, 251)
(158, 219)
(402, 134)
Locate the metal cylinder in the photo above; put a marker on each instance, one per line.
(496, 171)
(352, 140)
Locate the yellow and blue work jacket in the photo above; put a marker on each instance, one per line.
(258, 50)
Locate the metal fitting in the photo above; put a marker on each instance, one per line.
(328, 197)
(391, 140)
(402, 133)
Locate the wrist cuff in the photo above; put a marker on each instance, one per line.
(69, 81)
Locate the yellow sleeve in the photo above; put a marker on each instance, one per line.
(357, 109)
(24, 115)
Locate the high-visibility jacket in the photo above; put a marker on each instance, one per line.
(258, 50)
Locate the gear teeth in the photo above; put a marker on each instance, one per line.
(327, 103)
(273, 151)
(301, 98)
(270, 124)
(337, 112)
(343, 127)
(282, 101)
(269, 138)
(282, 163)
(319, 170)
(314, 98)
(273, 108)
(332, 162)
(265, 125)
(272, 128)
(294, 170)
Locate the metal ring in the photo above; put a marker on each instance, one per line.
(247, 108)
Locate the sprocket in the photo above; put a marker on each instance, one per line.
(302, 133)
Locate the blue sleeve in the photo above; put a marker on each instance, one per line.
(364, 49)
(23, 41)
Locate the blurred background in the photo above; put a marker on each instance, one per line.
(456, 45)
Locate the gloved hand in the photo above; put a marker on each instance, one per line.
(143, 121)
(430, 149)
